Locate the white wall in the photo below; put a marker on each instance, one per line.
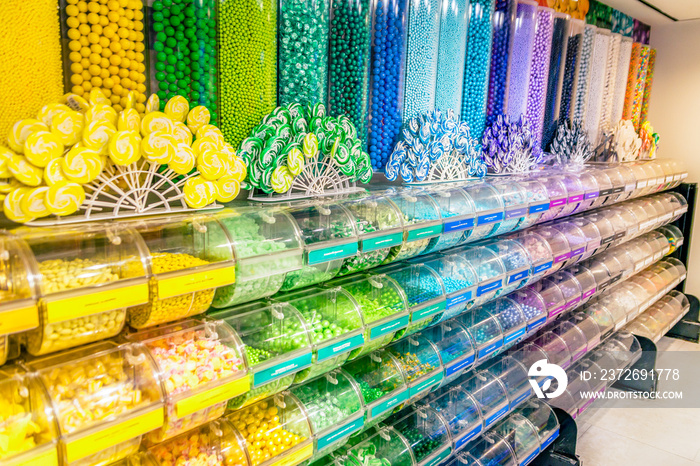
(674, 110)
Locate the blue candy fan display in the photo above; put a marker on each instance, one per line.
(571, 146)
(435, 147)
(507, 147)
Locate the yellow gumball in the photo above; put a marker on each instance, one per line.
(156, 121)
(12, 206)
(97, 134)
(21, 131)
(68, 126)
(129, 120)
(24, 171)
(125, 147)
(101, 112)
(199, 192)
(184, 160)
(5, 156)
(33, 203)
(153, 103)
(182, 133)
(48, 111)
(158, 147)
(212, 165)
(42, 147)
(177, 108)
(53, 173)
(198, 117)
(81, 165)
(64, 198)
(227, 188)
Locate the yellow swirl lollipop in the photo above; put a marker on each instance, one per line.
(184, 160)
(227, 188)
(12, 206)
(158, 147)
(9, 185)
(97, 134)
(177, 108)
(48, 111)
(68, 126)
(64, 198)
(129, 120)
(5, 156)
(33, 204)
(101, 112)
(21, 131)
(209, 130)
(97, 97)
(53, 173)
(125, 147)
(182, 133)
(42, 147)
(199, 192)
(198, 117)
(237, 168)
(207, 144)
(156, 121)
(212, 165)
(281, 179)
(81, 165)
(24, 171)
(153, 103)
(130, 100)
(75, 102)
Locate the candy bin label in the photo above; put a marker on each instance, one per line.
(115, 434)
(343, 431)
(516, 213)
(295, 457)
(529, 459)
(459, 366)
(386, 327)
(576, 198)
(467, 437)
(490, 348)
(550, 439)
(557, 202)
(536, 209)
(537, 323)
(391, 403)
(458, 299)
(618, 189)
(339, 251)
(196, 281)
(589, 293)
(281, 369)
(605, 192)
(562, 258)
(516, 277)
(578, 252)
(591, 195)
(427, 232)
(489, 218)
(488, 287)
(457, 225)
(439, 457)
(212, 396)
(557, 311)
(497, 415)
(381, 242)
(45, 458)
(73, 307)
(18, 320)
(521, 398)
(428, 311)
(514, 336)
(340, 347)
(426, 384)
(541, 268)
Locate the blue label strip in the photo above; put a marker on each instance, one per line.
(541, 268)
(492, 286)
(515, 335)
(535, 209)
(550, 439)
(530, 457)
(489, 218)
(518, 276)
(459, 299)
(521, 398)
(426, 384)
(467, 437)
(495, 417)
(490, 349)
(516, 213)
(458, 225)
(459, 366)
(537, 323)
(592, 195)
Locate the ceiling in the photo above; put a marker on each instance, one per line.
(681, 10)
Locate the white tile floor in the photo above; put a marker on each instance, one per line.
(641, 435)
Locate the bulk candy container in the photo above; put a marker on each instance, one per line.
(84, 278)
(334, 323)
(386, 78)
(485, 331)
(634, 95)
(574, 338)
(489, 450)
(510, 317)
(455, 346)
(183, 56)
(539, 253)
(516, 260)
(489, 207)
(490, 393)
(266, 246)
(537, 200)
(422, 224)
(504, 17)
(461, 412)
(382, 384)
(28, 414)
(422, 49)
(576, 238)
(606, 229)
(556, 191)
(553, 297)
(515, 201)
(604, 187)
(533, 306)
(620, 84)
(543, 418)
(514, 375)
(490, 272)
(520, 59)
(558, 244)
(574, 192)
(424, 292)
(539, 74)
(585, 279)
(275, 344)
(477, 66)
(328, 236)
(281, 422)
(569, 287)
(556, 349)
(588, 327)
(349, 46)
(386, 446)
(555, 76)
(591, 191)
(590, 233)
(582, 74)
(460, 280)
(188, 258)
(379, 228)
(247, 40)
(303, 29)
(105, 398)
(195, 396)
(458, 218)
(420, 362)
(427, 434)
(333, 407)
(521, 435)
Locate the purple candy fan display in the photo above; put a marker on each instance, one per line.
(435, 146)
(539, 71)
(507, 147)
